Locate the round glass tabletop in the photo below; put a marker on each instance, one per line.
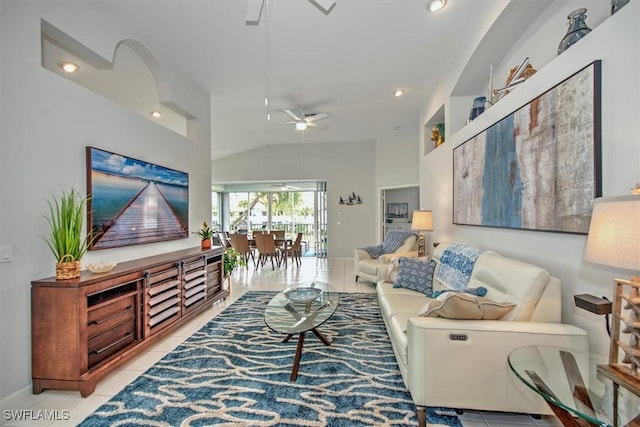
(562, 377)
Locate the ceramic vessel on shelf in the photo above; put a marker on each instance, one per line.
(302, 294)
(477, 108)
(577, 29)
(616, 5)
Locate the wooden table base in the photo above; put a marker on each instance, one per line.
(296, 359)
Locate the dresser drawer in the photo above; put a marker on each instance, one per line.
(104, 316)
(109, 342)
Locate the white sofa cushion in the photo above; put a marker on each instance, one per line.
(510, 280)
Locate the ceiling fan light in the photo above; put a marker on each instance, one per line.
(301, 125)
(436, 5)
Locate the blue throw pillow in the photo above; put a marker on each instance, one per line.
(416, 274)
(480, 291)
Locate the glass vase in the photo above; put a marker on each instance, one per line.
(616, 5)
(577, 29)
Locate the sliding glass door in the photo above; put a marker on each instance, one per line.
(293, 211)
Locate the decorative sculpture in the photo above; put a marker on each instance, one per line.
(437, 136)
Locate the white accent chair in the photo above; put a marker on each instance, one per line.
(375, 269)
(463, 363)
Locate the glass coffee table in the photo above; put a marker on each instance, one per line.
(301, 309)
(561, 377)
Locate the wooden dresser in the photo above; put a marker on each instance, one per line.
(84, 328)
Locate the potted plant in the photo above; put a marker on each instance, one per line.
(206, 233)
(66, 215)
(231, 260)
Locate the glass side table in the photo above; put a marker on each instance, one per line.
(560, 376)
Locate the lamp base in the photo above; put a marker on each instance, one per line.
(421, 246)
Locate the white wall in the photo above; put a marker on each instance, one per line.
(615, 41)
(345, 167)
(396, 163)
(46, 122)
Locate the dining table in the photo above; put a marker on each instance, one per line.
(282, 244)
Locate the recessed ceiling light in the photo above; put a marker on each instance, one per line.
(398, 92)
(436, 5)
(156, 114)
(69, 67)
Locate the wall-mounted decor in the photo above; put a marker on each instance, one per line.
(132, 201)
(351, 199)
(539, 167)
(397, 211)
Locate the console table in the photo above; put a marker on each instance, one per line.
(82, 329)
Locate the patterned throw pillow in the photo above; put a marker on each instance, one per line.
(394, 239)
(416, 274)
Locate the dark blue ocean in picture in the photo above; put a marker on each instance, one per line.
(502, 198)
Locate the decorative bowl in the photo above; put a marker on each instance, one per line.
(100, 267)
(302, 294)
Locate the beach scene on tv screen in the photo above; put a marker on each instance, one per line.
(134, 202)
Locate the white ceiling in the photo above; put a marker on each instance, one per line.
(346, 63)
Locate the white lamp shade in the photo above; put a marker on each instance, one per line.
(614, 233)
(422, 220)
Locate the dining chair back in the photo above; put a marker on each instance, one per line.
(240, 243)
(295, 250)
(224, 240)
(266, 245)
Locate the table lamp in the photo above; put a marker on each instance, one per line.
(614, 240)
(422, 221)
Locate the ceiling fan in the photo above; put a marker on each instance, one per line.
(303, 120)
(254, 9)
(285, 186)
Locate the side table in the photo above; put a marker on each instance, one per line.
(558, 376)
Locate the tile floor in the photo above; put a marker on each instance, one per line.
(70, 409)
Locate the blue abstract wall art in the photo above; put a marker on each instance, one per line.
(537, 168)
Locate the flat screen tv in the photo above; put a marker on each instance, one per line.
(132, 202)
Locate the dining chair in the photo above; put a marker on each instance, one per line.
(267, 248)
(278, 234)
(224, 240)
(295, 250)
(240, 243)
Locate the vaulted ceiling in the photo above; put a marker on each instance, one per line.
(346, 63)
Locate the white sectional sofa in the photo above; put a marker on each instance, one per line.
(463, 363)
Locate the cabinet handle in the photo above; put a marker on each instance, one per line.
(97, 322)
(102, 350)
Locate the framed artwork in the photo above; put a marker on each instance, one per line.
(132, 202)
(539, 168)
(397, 210)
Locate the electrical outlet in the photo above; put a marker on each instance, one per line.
(6, 253)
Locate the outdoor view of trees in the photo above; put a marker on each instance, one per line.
(292, 211)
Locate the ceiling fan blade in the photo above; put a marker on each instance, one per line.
(288, 123)
(316, 117)
(317, 125)
(292, 115)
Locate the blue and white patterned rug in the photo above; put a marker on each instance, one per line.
(235, 371)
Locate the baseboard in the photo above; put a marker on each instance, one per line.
(16, 399)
